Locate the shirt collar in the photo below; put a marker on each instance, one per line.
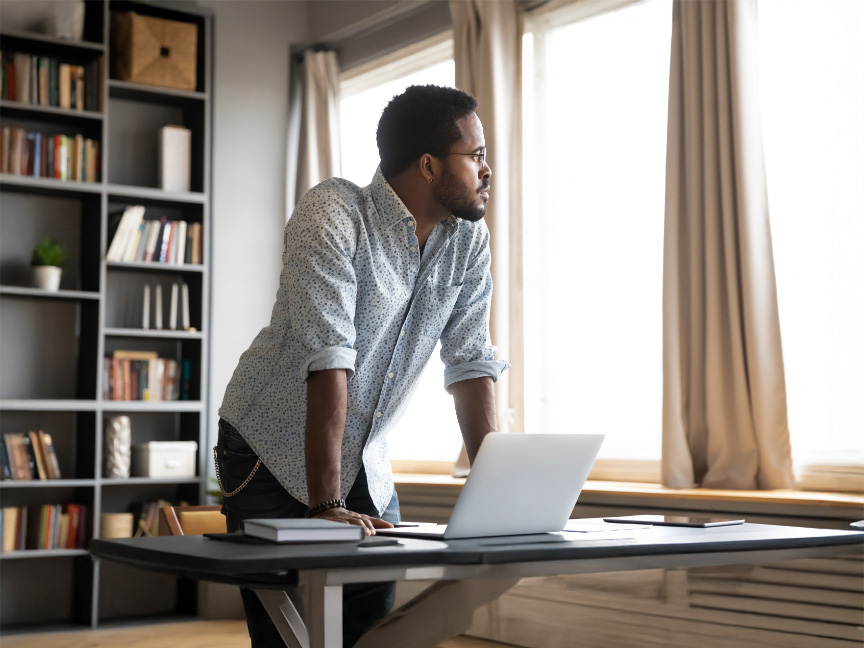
(391, 209)
(389, 206)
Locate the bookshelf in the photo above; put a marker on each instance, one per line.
(52, 344)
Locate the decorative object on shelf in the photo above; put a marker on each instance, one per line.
(175, 155)
(153, 51)
(116, 525)
(118, 447)
(67, 20)
(48, 260)
(164, 459)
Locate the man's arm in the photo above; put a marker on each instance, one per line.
(326, 404)
(475, 411)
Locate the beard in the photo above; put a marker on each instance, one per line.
(460, 200)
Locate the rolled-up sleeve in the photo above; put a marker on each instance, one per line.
(318, 282)
(466, 350)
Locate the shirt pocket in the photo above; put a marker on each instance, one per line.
(435, 305)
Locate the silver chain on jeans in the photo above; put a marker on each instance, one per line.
(219, 477)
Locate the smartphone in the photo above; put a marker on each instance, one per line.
(674, 520)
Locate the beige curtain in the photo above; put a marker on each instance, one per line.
(724, 393)
(318, 152)
(488, 53)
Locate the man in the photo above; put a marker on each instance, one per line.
(372, 278)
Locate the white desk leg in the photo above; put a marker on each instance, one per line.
(441, 612)
(285, 617)
(323, 606)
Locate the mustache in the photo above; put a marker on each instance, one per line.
(484, 186)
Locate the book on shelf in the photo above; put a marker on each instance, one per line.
(47, 155)
(19, 461)
(303, 530)
(48, 81)
(10, 521)
(5, 467)
(151, 240)
(157, 323)
(39, 453)
(46, 527)
(145, 309)
(29, 455)
(52, 464)
(147, 516)
(141, 376)
(127, 226)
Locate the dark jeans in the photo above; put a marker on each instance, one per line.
(363, 605)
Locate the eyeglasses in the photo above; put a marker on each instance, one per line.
(479, 158)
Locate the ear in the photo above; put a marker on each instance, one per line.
(428, 166)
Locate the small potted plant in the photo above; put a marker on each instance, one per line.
(48, 259)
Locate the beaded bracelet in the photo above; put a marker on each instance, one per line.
(325, 506)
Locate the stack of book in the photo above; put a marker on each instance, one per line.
(140, 240)
(50, 526)
(47, 81)
(28, 456)
(43, 155)
(143, 376)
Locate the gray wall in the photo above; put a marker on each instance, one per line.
(252, 40)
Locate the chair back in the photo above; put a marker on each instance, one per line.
(191, 520)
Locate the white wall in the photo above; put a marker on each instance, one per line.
(251, 67)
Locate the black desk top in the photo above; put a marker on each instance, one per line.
(200, 557)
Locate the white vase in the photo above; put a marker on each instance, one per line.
(47, 277)
(67, 20)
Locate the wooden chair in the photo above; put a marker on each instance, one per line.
(191, 520)
(215, 600)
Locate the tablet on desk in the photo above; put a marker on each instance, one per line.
(674, 520)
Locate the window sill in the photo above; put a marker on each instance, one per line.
(601, 498)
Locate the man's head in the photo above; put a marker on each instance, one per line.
(435, 131)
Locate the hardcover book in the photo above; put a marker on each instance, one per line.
(303, 530)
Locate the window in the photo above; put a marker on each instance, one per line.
(429, 430)
(595, 145)
(812, 100)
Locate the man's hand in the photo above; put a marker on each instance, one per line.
(357, 519)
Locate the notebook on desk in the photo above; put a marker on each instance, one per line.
(519, 484)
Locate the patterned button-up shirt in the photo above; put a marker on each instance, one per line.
(356, 294)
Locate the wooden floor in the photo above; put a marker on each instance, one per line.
(191, 634)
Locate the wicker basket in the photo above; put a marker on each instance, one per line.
(153, 51)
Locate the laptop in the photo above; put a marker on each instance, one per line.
(519, 484)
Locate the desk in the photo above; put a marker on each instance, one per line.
(301, 585)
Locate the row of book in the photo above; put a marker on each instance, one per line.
(43, 155)
(143, 376)
(28, 455)
(47, 81)
(178, 310)
(140, 240)
(49, 526)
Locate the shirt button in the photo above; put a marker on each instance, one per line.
(401, 333)
(390, 375)
(378, 414)
(410, 223)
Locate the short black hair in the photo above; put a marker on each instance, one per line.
(420, 120)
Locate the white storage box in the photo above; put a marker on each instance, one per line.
(164, 459)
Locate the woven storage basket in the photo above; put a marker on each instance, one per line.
(153, 51)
